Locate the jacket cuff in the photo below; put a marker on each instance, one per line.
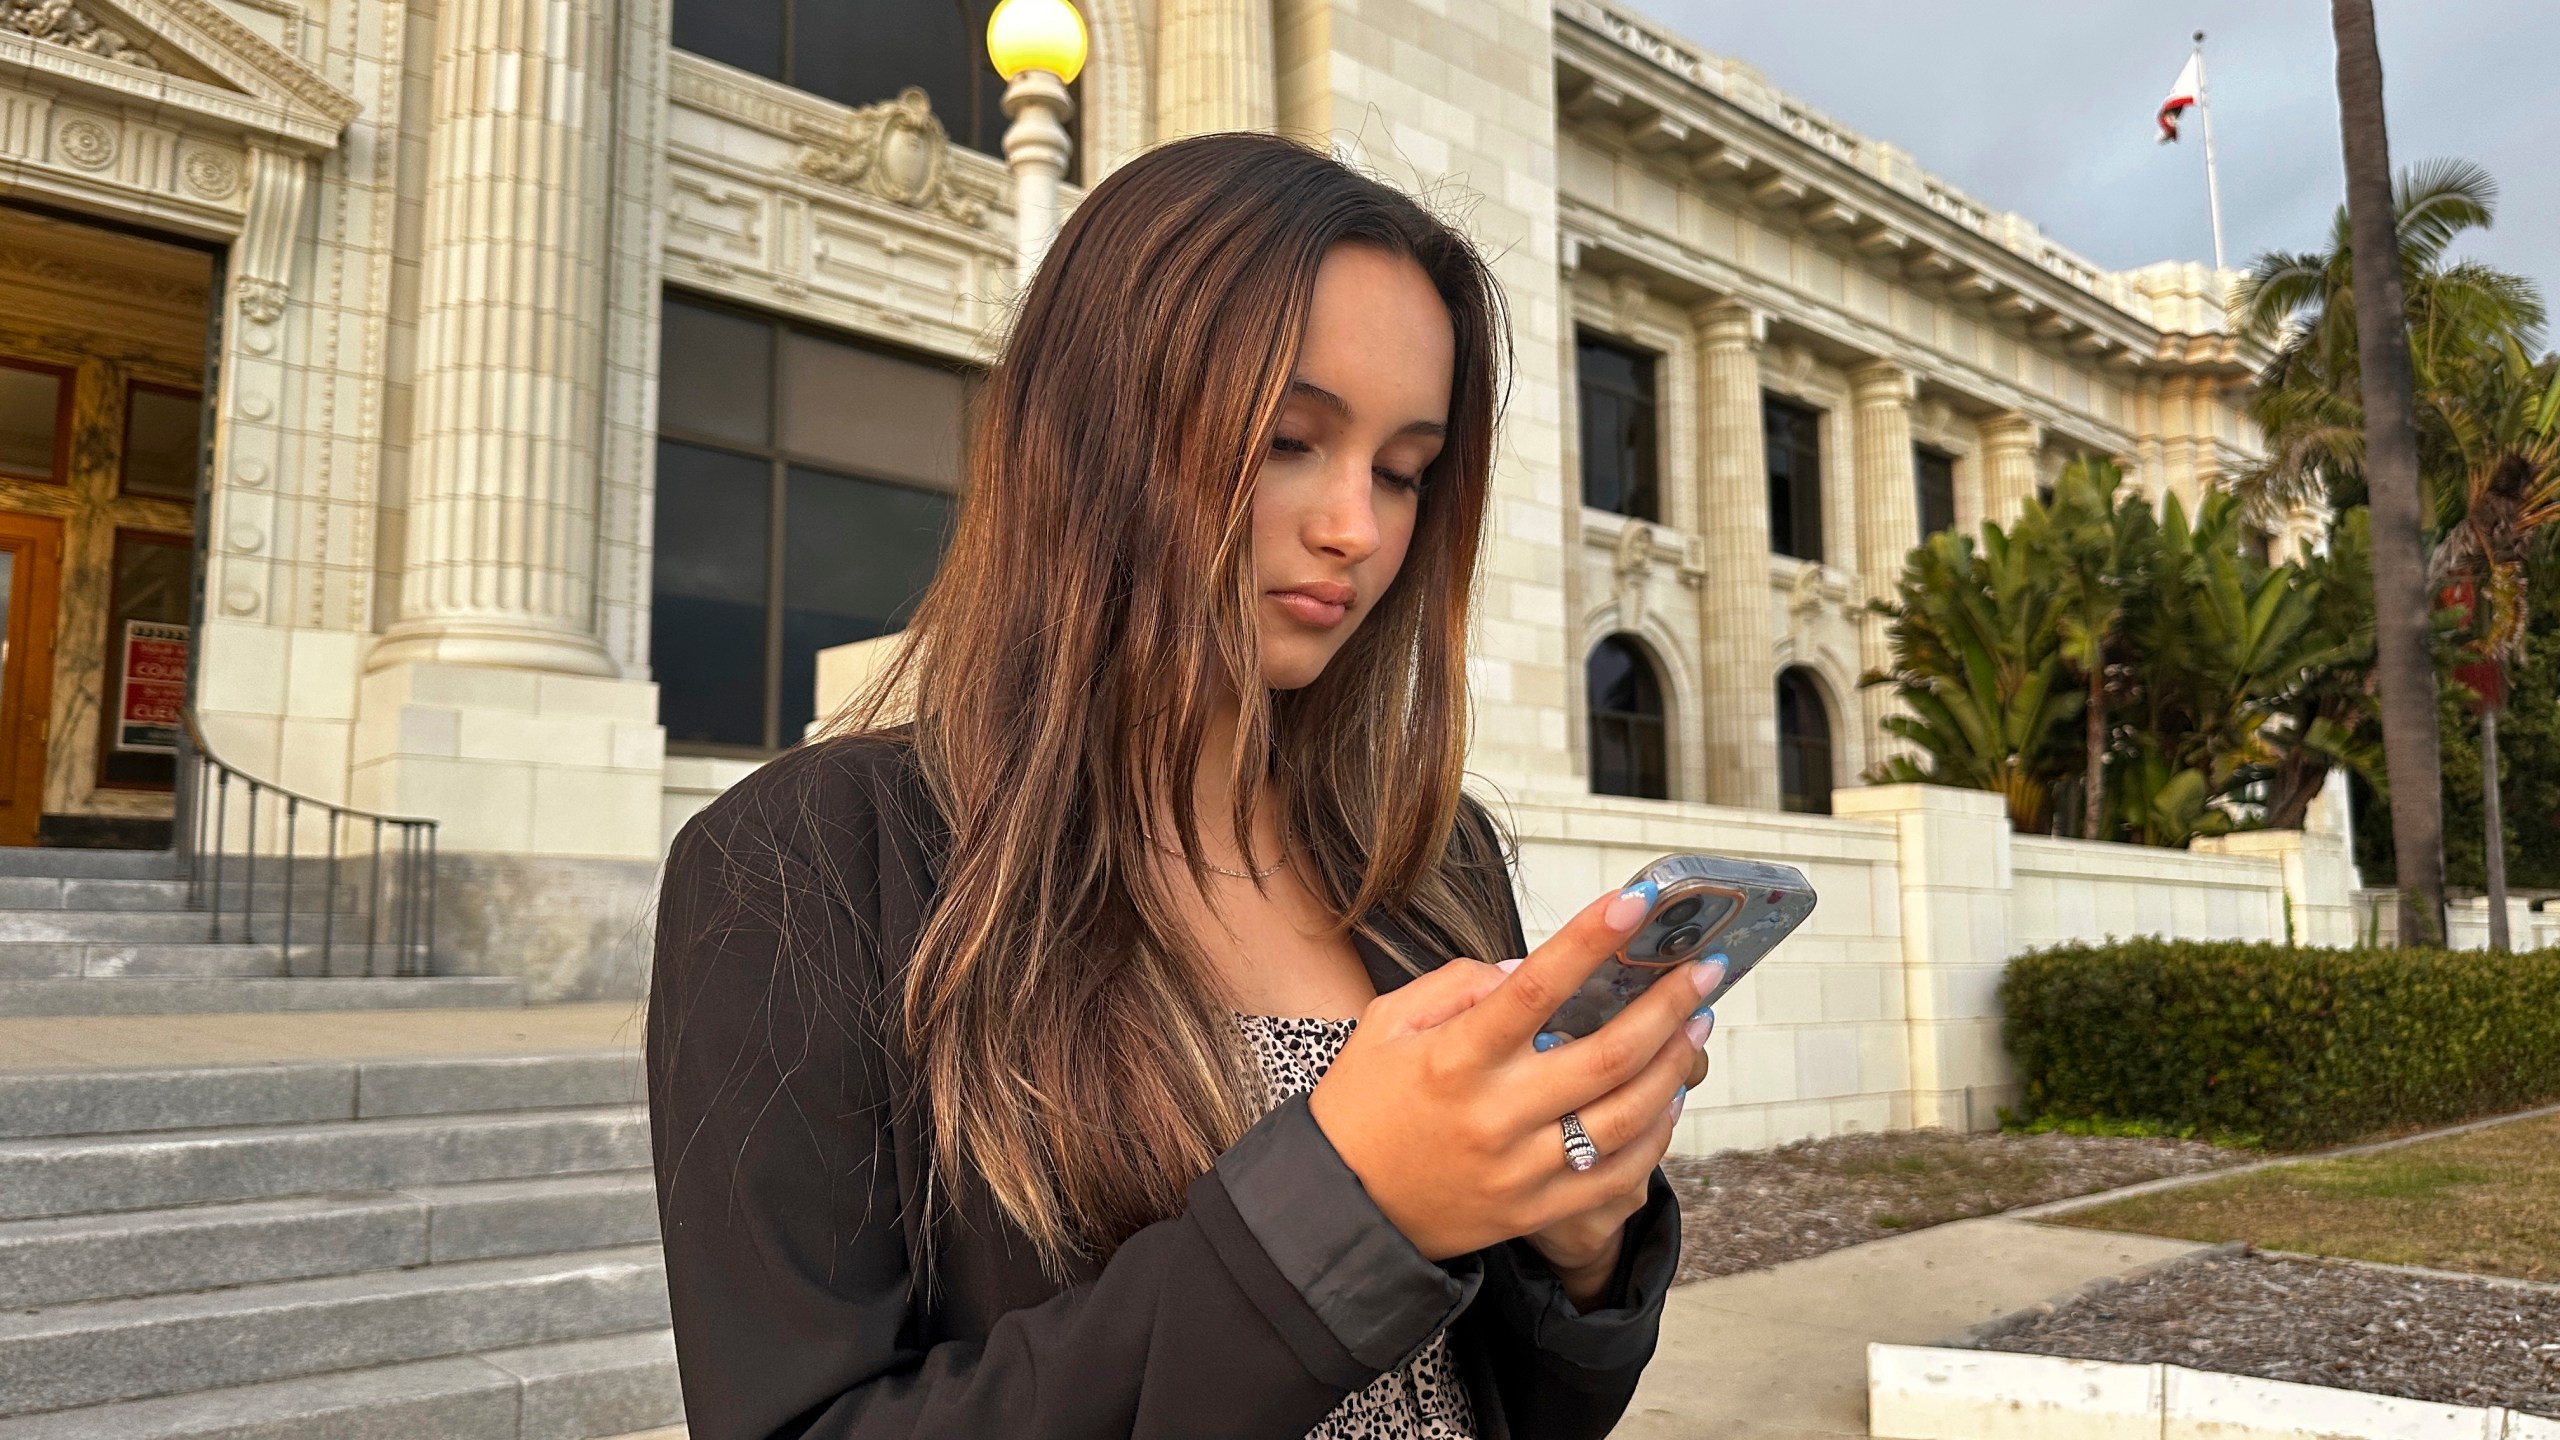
(1375, 1294)
(1619, 1334)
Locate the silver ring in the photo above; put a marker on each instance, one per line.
(1579, 1152)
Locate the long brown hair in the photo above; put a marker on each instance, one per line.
(1097, 602)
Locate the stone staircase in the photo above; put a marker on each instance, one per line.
(110, 932)
(444, 1246)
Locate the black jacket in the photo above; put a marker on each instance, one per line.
(790, 1145)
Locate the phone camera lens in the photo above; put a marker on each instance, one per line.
(1682, 941)
(1681, 912)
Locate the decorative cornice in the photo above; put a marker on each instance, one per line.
(239, 43)
(1672, 96)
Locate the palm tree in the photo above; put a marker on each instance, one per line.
(2308, 401)
(2109, 533)
(2407, 670)
(2501, 413)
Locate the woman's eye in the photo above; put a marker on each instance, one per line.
(1290, 445)
(1398, 479)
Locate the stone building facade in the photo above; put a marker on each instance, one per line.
(538, 341)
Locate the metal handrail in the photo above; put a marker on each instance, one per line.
(207, 844)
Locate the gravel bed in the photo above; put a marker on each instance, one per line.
(1747, 1209)
(2339, 1323)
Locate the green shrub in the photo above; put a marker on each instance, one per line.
(2297, 1047)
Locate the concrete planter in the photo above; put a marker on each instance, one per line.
(1920, 1392)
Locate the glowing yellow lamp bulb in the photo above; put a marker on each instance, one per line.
(1036, 35)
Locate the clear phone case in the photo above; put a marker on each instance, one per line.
(1708, 905)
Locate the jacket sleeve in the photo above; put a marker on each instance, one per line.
(1277, 1290)
(1563, 1373)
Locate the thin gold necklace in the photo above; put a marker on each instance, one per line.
(1255, 875)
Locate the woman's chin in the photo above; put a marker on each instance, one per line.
(1294, 667)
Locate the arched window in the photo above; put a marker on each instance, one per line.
(1627, 749)
(1804, 745)
(861, 52)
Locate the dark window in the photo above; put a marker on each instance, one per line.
(1795, 477)
(1619, 459)
(805, 491)
(1804, 745)
(1627, 750)
(35, 421)
(861, 52)
(1936, 472)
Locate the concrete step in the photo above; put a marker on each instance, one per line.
(141, 926)
(63, 862)
(201, 995)
(58, 892)
(68, 1259)
(189, 953)
(568, 1390)
(36, 1103)
(95, 1174)
(116, 1350)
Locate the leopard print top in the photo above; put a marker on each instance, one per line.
(1426, 1399)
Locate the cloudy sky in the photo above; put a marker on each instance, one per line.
(2045, 107)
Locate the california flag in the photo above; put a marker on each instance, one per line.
(2181, 95)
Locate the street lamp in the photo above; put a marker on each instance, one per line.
(1038, 46)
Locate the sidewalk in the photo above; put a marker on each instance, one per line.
(1781, 1354)
(51, 1042)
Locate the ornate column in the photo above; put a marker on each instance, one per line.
(1880, 396)
(490, 703)
(502, 496)
(2010, 443)
(1213, 67)
(1738, 686)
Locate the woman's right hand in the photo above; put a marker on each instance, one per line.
(1442, 1106)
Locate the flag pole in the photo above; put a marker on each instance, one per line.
(2212, 181)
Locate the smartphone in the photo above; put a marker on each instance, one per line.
(1706, 905)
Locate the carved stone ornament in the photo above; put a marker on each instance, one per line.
(261, 300)
(61, 22)
(1627, 297)
(895, 150)
(1633, 566)
(1805, 595)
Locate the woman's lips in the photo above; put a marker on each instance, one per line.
(1321, 606)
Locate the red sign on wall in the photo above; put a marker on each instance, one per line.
(151, 698)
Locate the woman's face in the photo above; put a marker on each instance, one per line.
(1335, 499)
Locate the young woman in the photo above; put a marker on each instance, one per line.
(981, 1046)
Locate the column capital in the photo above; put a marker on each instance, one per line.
(1883, 382)
(1731, 322)
(2011, 430)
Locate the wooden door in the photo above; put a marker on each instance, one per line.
(30, 584)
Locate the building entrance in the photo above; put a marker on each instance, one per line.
(102, 415)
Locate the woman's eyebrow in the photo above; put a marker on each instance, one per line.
(1341, 409)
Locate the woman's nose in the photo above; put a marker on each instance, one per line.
(1344, 521)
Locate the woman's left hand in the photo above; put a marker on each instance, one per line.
(1583, 1249)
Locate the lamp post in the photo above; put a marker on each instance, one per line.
(1038, 46)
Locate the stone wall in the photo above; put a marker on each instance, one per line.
(1882, 1012)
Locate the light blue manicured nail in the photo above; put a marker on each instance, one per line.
(1645, 890)
(1547, 1040)
(1700, 1026)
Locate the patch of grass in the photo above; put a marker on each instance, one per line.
(2487, 1202)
